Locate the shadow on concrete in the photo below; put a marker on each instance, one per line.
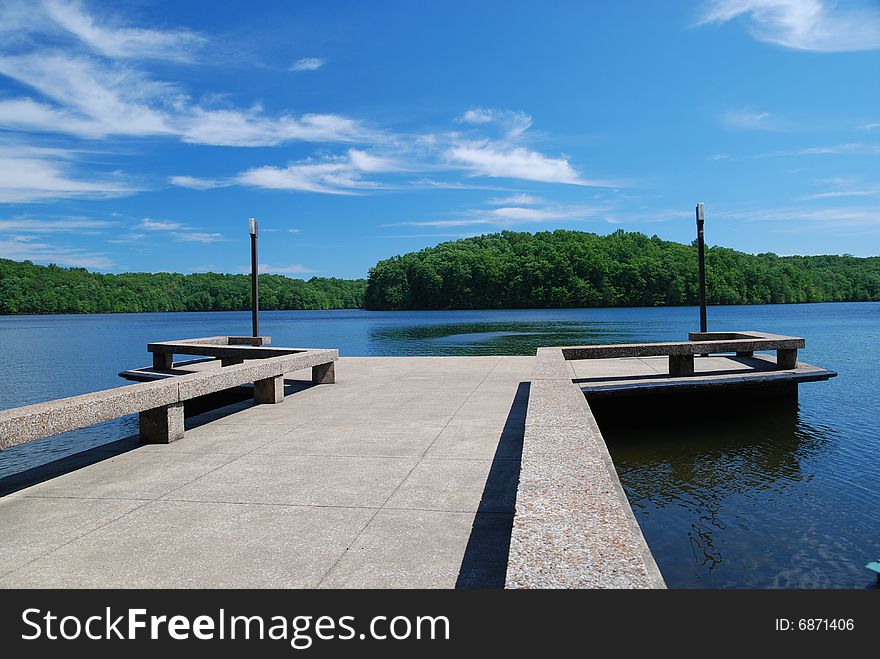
(198, 411)
(485, 559)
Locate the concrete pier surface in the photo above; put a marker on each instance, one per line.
(402, 474)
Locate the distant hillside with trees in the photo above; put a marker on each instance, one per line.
(578, 269)
(26, 288)
(494, 271)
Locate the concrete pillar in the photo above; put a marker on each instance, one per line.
(162, 425)
(745, 353)
(681, 365)
(270, 390)
(786, 359)
(163, 361)
(324, 373)
(231, 361)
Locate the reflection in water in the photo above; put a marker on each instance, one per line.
(715, 476)
(493, 338)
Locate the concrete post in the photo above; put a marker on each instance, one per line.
(270, 390)
(231, 361)
(163, 361)
(745, 353)
(786, 359)
(324, 373)
(162, 425)
(681, 365)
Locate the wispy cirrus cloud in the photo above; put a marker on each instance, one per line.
(197, 237)
(159, 225)
(308, 64)
(747, 119)
(486, 158)
(123, 41)
(840, 187)
(332, 175)
(815, 25)
(33, 174)
(42, 252)
(67, 225)
(520, 199)
(196, 183)
(295, 269)
(508, 216)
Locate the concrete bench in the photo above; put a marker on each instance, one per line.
(160, 403)
(681, 354)
(230, 350)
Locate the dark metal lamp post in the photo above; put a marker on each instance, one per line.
(255, 283)
(701, 255)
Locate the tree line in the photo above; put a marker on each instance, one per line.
(26, 288)
(579, 269)
(502, 270)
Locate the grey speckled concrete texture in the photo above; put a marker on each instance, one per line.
(573, 526)
(402, 474)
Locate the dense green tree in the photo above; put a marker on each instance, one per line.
(577, 269)
(502, 270)
(26, 288)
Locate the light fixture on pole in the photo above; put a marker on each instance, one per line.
(701, 255)
(255, 282)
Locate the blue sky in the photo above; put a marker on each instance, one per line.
(141, 136)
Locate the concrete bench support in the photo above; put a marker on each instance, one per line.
(270, 390)
(324, 373)
(231, 361)
(786, 359)
(162, 425)
(681, 365)
(745, 353)
(163, 361)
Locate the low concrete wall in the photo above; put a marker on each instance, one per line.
(573, 527)
(24, 424)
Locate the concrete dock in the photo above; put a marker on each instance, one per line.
(403, 474)
(413, 472)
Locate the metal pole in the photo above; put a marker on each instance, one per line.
(701, 255)
(255, 282)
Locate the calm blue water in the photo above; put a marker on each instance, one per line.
(784, 498)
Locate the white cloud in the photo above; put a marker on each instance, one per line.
(308, 64)
(196, 183)
(854, 148)
(237, 128)
(837, 216)
(750, 120)
(68, 225)
(517, 199)
(803, 24)
(335, 175)
(508, 216)
(870, 126)
(32, 175)
(95, 99)
(159, 225)
(19, 250)
(119, 41)
(488, 159)
(296, 269)
(477, 116)
(294, 230)
(719, 156)
(196, 237)
(512, 122)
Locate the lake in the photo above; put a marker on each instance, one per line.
(757, 496)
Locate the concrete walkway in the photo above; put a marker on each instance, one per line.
(403, 474)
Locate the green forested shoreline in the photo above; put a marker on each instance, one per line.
(578, 269)
(26, 288)
(503, 270)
